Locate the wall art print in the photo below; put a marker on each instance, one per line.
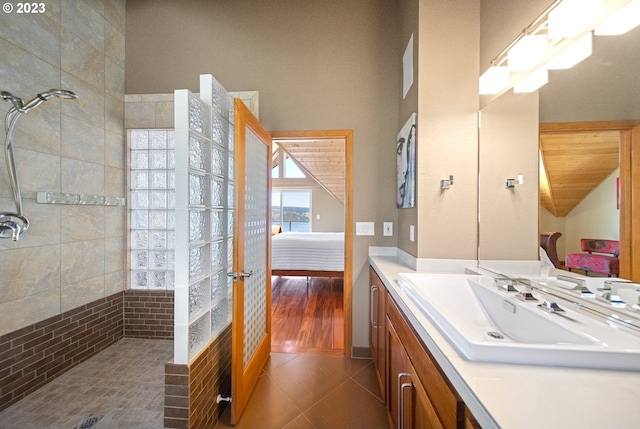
(406, 162)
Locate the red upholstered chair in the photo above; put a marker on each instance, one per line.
(601, 257)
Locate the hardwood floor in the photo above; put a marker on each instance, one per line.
(307, 318)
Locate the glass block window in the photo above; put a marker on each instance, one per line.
(203, 220)
(152, 190)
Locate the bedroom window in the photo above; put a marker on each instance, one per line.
(291, 210)
(289, 169)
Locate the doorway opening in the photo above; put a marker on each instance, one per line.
(311, 303)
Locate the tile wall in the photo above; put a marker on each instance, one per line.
(34, 355)
(148, 314)
(71, 255)
(190, 390)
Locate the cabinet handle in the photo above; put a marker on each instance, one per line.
(401, 387)
(374, 288)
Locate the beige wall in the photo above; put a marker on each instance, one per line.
(447, 129)
(330, 210)
(70, 255)
(508, 147)
(408, 10)
(595, 217)
(318, 65)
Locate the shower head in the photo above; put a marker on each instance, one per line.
(61, 93)
(16, 101)
(44, 96)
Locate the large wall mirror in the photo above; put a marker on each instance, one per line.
(580, 115)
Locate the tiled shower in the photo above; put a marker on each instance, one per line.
(66, 291)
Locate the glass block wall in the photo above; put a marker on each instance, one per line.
(203, 216)
(152, 208)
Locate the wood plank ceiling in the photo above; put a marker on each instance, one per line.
(574, 164)
(323, 160)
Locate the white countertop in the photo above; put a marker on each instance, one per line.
(523, 396)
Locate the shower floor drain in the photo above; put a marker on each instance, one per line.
(89, 422)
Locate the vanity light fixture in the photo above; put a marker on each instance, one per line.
(574, 54)
(494, 80)
(572, 17)
(446, 184)
(622, 21)
(553, 35)
(535, 80)
(529, 51)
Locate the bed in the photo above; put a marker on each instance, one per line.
(310, 254)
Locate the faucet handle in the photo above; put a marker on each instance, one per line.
(550, 307)
(526, 294)
(505, 285)
(12, 225)
(630, 296)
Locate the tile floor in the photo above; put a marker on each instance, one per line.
(124, 384)
(314, 392)
(123, 387)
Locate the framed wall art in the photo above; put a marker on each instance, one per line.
(406, 163)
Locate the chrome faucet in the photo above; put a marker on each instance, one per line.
(12, 225)
(550, 307)
(505, 284)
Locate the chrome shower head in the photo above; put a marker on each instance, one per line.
(15, 100)
(44, 96)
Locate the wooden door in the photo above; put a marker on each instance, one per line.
(251, 328)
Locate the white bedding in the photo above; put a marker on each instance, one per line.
(308, 251)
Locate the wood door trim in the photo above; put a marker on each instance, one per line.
(347, 135)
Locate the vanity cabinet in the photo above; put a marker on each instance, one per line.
(418, 394)
(408, 404)
(377, 323)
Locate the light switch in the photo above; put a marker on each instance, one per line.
(412, 233)
(387, 230)
(365, 228)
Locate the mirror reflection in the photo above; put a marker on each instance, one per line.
(579, 170)
(576, 195)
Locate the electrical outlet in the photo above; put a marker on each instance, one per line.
(388, 229)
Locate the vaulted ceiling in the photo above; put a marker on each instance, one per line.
(323, 160)
(573, 164)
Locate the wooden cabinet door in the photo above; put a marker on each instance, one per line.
(408, 404)
(421, 413)
(377, 339)
(397, 369)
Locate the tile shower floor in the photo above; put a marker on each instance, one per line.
(120, 387)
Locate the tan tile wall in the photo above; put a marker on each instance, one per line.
(34, 355)
(191, 390)
(153, 111)
(71, 255)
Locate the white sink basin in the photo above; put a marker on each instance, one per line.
(486, 324)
